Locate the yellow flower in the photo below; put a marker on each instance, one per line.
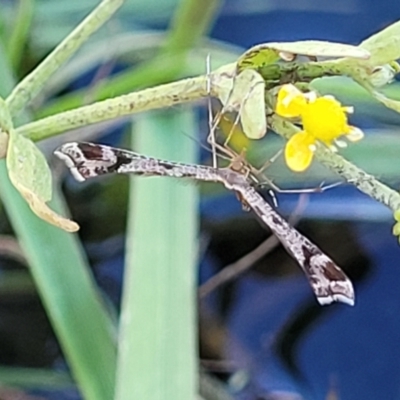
(324, 119)
(290, 101)
(299, 151)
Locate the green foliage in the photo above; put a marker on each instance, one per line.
(61, 274)
(30, 174)
(156, 349)
(160, 283)
(269, 53)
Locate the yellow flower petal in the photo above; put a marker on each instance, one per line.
(290, 101)
(325, 119)
(396, 229)
(299, 151)
(397, 215)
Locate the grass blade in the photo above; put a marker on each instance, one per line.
(69, 295)
(157, 351)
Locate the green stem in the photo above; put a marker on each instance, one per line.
(158, 97)
(63, 279)
(20, 31)
(161, 96)
(190, 23)
(366, 183)
(279, 74)
(29, 87)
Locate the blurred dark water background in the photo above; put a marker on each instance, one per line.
(270, 337)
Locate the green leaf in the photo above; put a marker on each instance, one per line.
(19, 36)
(381, 67)
(157, 345)
(244, 93)
(30, 174)
(69, 294)
(29, 167)
(384, 46)
(30, 86)
(268, 53)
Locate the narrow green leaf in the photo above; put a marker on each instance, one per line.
(35, 378)
(29, 87)
(157, 349)
(68, 292)
(20, 31)
(192, 20)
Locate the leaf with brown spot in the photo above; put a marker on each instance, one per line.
(31, 176)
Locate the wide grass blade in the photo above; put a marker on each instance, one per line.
(157, 356)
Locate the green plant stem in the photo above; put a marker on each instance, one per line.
(29, 87)
(191, 21)
(158, 97)
(158, 353)
(153, 98)
(69, 294)
(20, 31)
(366, 183)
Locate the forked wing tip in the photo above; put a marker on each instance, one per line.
(344, 299)
(347, 298)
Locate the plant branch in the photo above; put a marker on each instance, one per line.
(365, 182)
(191, 22)
(29, 87)
(167, 95)
(20, 31)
